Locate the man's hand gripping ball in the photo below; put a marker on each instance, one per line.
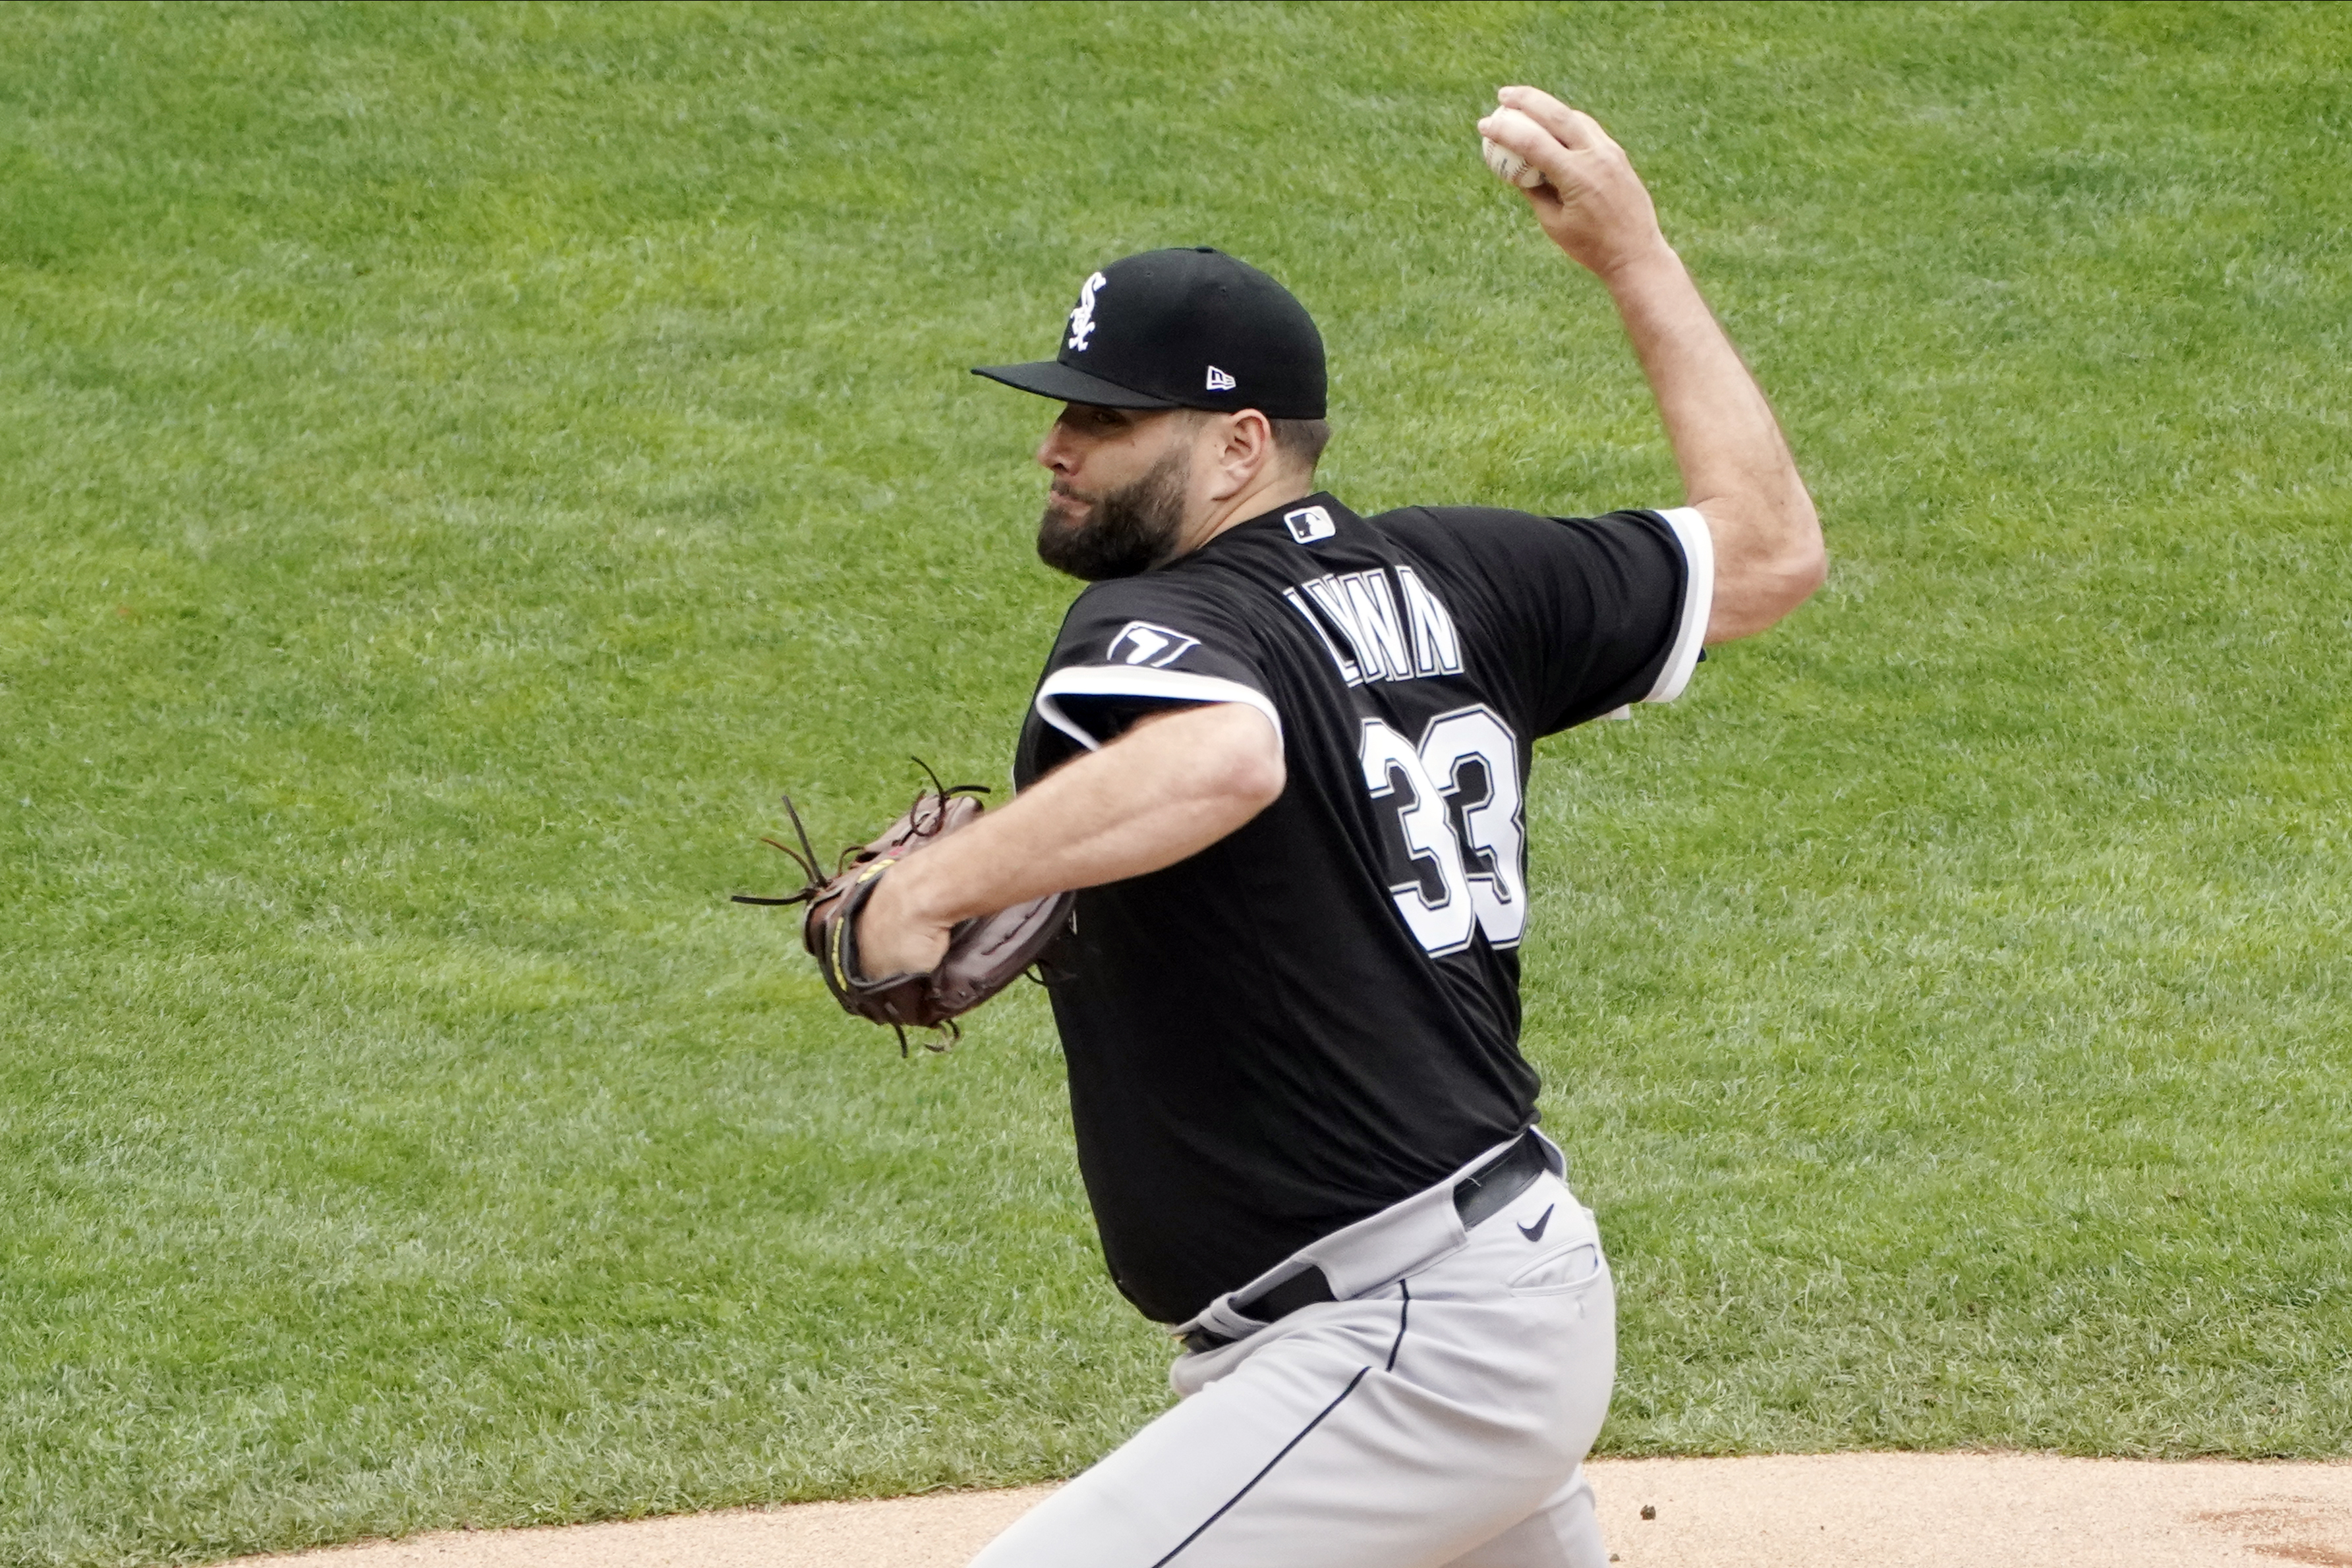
(1579, 182)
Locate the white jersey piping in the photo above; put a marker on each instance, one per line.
(1699, 602)
(1119, 680)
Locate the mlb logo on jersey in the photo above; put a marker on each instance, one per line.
(1152, 647)
(1309, 523)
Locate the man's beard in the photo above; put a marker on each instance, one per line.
(1121, 532)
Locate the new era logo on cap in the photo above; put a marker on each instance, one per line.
(1220, 382)
(1153, 647)
(1309, 523)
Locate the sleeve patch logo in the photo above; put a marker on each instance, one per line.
(1309, 523)
(1141, 644)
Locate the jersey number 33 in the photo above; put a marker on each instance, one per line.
(1457, 802)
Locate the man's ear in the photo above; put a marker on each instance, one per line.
(1243, 446)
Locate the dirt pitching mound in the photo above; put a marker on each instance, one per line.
(1820, 1510)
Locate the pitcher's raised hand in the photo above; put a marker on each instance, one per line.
(1592, 203)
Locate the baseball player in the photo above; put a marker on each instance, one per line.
(1283, 750)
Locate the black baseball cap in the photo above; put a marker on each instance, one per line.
(1182, 328)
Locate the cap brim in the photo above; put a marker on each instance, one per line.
(1051, 377)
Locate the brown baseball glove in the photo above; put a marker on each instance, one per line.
(984, 954)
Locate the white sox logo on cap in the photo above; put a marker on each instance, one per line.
(1153, 647)
(1082, 317)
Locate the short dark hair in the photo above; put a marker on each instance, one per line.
(1303, 439)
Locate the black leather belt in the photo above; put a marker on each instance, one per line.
(1483, 1194)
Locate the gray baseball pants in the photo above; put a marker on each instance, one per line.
(1439, 1419)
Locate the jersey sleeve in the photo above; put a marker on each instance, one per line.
(1598, 613)
(1139, 644)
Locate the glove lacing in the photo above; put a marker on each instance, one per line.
(920, 827)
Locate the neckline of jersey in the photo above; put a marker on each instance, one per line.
(1271, 520)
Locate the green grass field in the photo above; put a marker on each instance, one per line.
(460, 464)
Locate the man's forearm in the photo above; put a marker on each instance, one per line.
(1737, 469)
(1168, 788)
(1725, 439)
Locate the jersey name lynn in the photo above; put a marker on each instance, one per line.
(1390, 634)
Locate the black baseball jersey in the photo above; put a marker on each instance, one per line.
(1318, 1015)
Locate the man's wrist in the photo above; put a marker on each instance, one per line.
(914, 891)
(1646, 268)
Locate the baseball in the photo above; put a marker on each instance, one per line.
(1509, 165)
